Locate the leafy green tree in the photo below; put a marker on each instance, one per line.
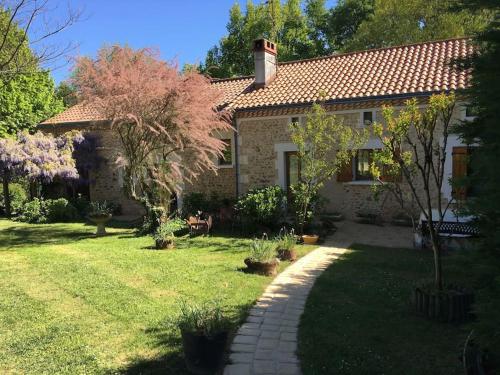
(413, 146)
(395, 22)
(324, 145)
(343, 22)
(25, 100)
(67, 93)
(287, 24)
(484, 95)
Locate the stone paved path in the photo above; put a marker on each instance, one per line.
(266, 343)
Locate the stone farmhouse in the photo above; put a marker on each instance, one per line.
(354, 87)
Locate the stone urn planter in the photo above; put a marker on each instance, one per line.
(202, 353)
(310, 239)
(262, 268)
(451, 305)
(100, 220)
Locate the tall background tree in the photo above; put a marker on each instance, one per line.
(305, 29)
(484, 131)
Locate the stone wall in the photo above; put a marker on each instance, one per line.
(106, 181)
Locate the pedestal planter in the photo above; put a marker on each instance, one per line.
(164, 244)
(261, 268)
(452, 305)
(285, 254)
(310, 239)
(203, 354)
(100, 221)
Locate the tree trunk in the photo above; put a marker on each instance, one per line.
(6, 192)
(436, 248)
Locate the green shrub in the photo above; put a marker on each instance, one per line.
(205, 319)
(60, 211)
(169, 229)
(82, 205)
(263, 250)
(194, 202)
(263, 206)
(33, 212)
(18, 197)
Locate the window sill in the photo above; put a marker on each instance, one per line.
(362, 183)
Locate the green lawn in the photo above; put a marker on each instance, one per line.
(72, 303)
(358, 320)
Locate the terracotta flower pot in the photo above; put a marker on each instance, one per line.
(100, 221)
(310, 239)
(203, 354)
(285, 254)
(165, 244)
(261, 268)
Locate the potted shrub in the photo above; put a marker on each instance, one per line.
(262, 259)
(286, 242)
(100, 213)
(164, 235)
(204, 330)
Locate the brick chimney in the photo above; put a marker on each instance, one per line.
(264, 53)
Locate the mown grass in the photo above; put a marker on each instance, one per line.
(72, 303)
(358, 319)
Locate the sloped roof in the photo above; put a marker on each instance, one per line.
(403, 70)
(76, 113)
(416, 69)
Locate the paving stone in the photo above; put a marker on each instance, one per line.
(268, 343)
(249, 332)
(255, 319)
(236, 358)
(269, 327)
(287, 346)
(261, 366)
(240, 339)
(270, 334)
(288, 369)
(239, 369)
(246, 348)
(288, 336)
(265, 354)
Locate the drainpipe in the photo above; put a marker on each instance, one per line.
(236, 156)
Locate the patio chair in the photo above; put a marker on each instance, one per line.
(197, 225)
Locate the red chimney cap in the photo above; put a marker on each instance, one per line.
(264, 45)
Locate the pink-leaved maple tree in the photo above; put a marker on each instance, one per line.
(166, 120)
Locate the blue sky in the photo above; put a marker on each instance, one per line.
(181, 29)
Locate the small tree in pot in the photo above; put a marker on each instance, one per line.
(100, 213)
(414, 147)
(204, 330)
(324, 145)
(164, 235)
(262, 259)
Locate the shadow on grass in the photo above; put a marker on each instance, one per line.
(173, 361)
(41, 234)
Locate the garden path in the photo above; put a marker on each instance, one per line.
(267, 342)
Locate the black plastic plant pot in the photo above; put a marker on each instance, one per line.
(203, 354)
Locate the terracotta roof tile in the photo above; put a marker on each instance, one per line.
(410, 69)
(76, 113)
(394, 71)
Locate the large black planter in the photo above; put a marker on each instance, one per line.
(452, 305)
(203, 354)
